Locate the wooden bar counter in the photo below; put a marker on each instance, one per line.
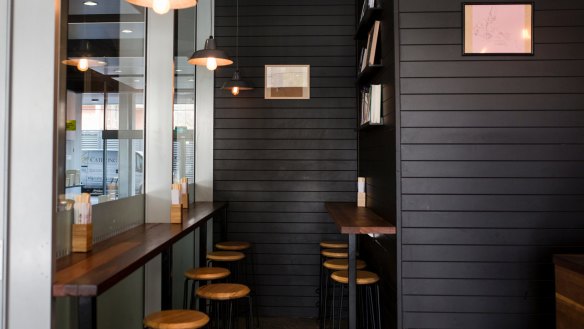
(87, 275)
(569, 270)
(353, 220)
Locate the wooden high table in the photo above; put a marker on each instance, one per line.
(87, 275)
(353, 220)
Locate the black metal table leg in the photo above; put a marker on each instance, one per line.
(166, 277)
(203, 245)
(87, 312)
(224, 229)
(352, 282)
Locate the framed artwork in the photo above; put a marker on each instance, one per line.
(498, 29)
(287, 82)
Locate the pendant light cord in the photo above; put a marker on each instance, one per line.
(237, 36)
(212, 18)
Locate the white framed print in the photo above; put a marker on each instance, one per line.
(287, 82)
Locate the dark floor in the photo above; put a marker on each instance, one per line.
(288, 323)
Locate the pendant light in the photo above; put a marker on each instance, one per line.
(236, 84)
(163, 6)
(210, 56)
(85, 61)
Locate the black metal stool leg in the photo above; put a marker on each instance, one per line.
(333, 302)
(185, 293)
(341, 306)
(378, 307)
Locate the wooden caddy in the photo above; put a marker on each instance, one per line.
(81, 237)
(184, 200)
(361, 199)
(176, 214)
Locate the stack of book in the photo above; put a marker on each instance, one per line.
(371, 105)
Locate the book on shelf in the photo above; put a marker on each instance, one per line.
(365, 106)
(374, 40)
(371, 105)
(365, 53)
(369, 54)
(375, 104)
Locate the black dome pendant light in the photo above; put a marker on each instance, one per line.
(210, 56)
(236, 84)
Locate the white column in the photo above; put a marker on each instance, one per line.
(158, 157)
(32, 203)
(4, 56)
(204, 112)
(159, 108)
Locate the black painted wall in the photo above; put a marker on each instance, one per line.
(492, 168)
(278, 161)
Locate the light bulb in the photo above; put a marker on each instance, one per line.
(211, 63)
(161, 6)
(235, 91)
(83, 65)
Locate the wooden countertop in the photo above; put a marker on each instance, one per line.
(570, 261)
(355, 220)
(110, 261)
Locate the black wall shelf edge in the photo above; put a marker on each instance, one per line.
(364, 78)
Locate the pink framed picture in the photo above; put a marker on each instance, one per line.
(498, 29)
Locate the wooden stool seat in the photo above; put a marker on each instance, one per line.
(223, 291)
(343, 264)
(363, 277)
(233, 245)
(225, 256)
(334, 245)
(207, 273)
(335, 253)
(176, 319)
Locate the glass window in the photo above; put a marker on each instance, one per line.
(183, 162)
(105, 100)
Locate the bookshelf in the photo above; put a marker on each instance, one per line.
(369, 66)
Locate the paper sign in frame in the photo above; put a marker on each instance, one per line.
(467, 29)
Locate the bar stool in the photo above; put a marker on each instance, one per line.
(334, 245)
(231, 259)
(327, 268)
(201, 274)
(227, 293)
(239, 246)
(243, 246)
(370, 311)
(176, 319)
(335, 252)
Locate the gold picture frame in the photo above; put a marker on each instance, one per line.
(287, 82)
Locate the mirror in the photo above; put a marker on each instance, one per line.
(105, 78)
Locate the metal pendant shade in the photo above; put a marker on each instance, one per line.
(85, 61)
(237, 83)
(163, 6)
(200, 57)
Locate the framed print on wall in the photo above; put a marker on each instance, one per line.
(498, 29)
(287, 82)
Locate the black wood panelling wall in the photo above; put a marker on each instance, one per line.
(492, 168)
(278, 161)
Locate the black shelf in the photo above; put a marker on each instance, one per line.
(364, 78)
(369, 125)
(371, 15)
